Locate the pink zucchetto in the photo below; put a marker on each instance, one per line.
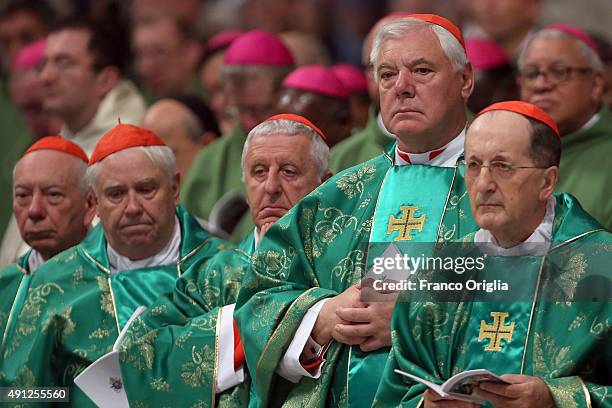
(258, 47)
(353, 78)
(575, 32)
(485, 54)
(316, 79)
(30, 55)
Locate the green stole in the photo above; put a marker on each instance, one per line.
(24, 276)
(406, 211)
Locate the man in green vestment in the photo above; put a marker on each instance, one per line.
(550, 346)
(308, 339)
(255, 65)
(184, 351)
(561, 72)
(78, 302)
(53, 210)
(374, 137)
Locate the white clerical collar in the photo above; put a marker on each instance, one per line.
(591, 122)
(446, 156)
(168, 255)
(538, 242)
(255, 237)
(382, 127)
(35, 260)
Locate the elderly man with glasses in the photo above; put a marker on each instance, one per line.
(560, 71)
(546, 334)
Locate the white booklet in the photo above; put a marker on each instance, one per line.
(459, 386)
(102, 381)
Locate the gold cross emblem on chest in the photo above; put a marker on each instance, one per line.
(406, 223)
(496, 331)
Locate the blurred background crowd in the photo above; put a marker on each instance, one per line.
(173, 51)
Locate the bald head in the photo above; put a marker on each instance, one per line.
(180, 128)
(51, 203)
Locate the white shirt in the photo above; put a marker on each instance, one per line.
(168, 255)
(448, 158)
(35, 261)
(538, 242)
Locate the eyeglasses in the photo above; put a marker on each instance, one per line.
(554, 75)
(499, 170)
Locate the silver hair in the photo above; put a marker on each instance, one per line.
(82, 172)
(320, 149)
(160, 155)
(452, 48)
(591, 58)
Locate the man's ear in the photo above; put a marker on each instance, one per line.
(549, 181)
(91, 208)
(467, 81)
(107, 79)
(599, 87)
(176, 187)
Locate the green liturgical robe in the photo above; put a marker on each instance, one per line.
(170, 354)
(586, 169)
(318, 250)
(360, 147)
(76, 306)
(14, 282)
(215, 171)
(556, 331)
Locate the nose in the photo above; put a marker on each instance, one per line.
(404, 86)
(273, 183)
(542, 83)
(36, 210)
(484, 181)
(133, 206)
(47, 73)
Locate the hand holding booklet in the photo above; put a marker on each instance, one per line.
(459, 386)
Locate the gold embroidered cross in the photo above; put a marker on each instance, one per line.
(496, 332)
(406, 223)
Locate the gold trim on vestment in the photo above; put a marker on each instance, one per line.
(576, 237)
(450, 190)
(587, 395)
(535, 299)
(110, 288)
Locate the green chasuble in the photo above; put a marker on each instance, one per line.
(170, 353)
(214, 172)
(586, 168)
(75, 308)
(14, 282)
(360, 147)
(555, 331)
(318, 250)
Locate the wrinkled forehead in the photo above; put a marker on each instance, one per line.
(552, 49)
(415, 42)
(278, 147)
(48, 165)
